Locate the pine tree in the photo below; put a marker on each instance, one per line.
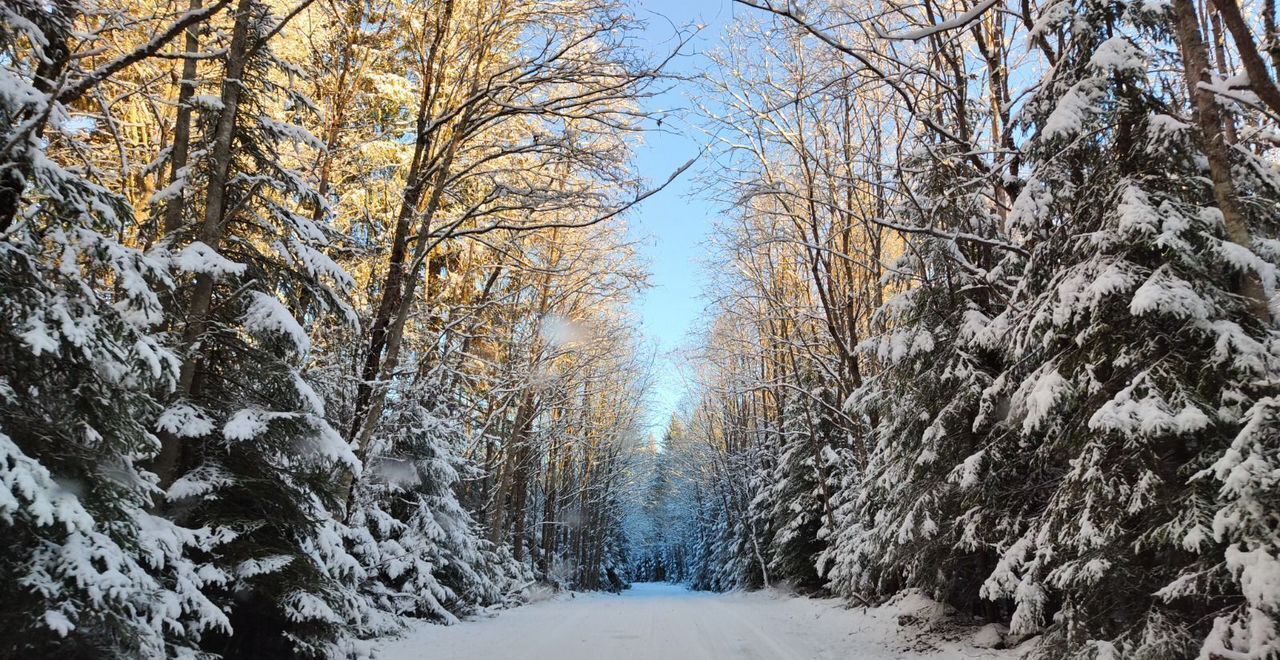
(791, 494)
(87, 570)
(911, 517)
(247, 445)
(1133, 366)
(423, 553)
(658, 543)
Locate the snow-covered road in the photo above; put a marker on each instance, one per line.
(668, 622)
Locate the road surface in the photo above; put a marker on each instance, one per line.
(668, 622)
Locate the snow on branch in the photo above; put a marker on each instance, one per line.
(945, 26)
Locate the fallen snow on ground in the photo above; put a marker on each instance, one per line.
(664, 621)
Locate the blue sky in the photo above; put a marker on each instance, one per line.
(672, 226)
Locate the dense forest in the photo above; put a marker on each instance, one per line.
(316, 317)
(994, 319)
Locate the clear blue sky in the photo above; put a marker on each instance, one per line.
(672, 226)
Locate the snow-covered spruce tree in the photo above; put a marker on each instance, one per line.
(1139, 387)
(653, 539)
(611, 566)
(423, 554)
(86, 570)
(721, 560)
(696, 544)
(910, 517)
(246, 445)
(682, 513)
(709, 560)
(758, 485)
(667, 530)
(692, 531)
(733, 552)
(1245, 521)
(602, 560)
(791, 498)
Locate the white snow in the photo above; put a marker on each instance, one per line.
(1073, 108)
(989, 636)
(667, 621)
(1132, 413)
(949, 24)
(1118, 54)
(267, 314)
(249, 423)
(1039, 397)
(967, 472)
(199, 482)
(1162, 124)
(1166, 293)
(185, 421)
(200, 258)
(206, 102)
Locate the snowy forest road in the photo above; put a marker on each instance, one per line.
(667, 622)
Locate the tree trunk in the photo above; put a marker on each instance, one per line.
(1196, 61)
(180, 155)
(549, 509)
(520, 494)
(212, 228)
(1259, 78)
(391, 300)
(498, 517)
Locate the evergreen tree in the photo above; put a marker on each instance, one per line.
(657, 548)
(911, 517)
(790, 494)
(423, 554)
(247, 446)
(1132, 365)
(87, 570)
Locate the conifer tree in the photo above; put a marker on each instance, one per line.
(911, 517)
(423, 553)
(247, 446)
(1134, 359)
(790, 497)
(87, 568)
